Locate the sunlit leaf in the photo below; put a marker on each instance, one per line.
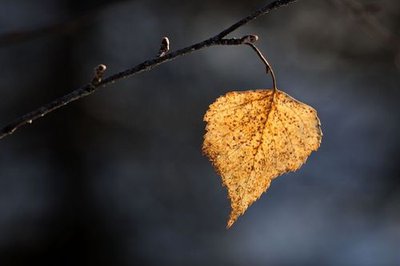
(254, 136)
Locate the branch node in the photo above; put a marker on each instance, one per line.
(164, 48)
(252, 38)
(98, 75)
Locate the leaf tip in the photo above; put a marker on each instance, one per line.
(230, 222)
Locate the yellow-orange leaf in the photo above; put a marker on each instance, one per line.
(254, 136)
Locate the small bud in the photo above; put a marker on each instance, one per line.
(164, 47)
(98, 74)
(101, 68)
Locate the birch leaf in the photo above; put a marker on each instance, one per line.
(254, 136)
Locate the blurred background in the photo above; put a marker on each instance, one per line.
(118, 178)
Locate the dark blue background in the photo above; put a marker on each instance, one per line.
(118, 178)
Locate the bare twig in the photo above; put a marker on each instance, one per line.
(145, 66)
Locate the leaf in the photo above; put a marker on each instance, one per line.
(254, 136)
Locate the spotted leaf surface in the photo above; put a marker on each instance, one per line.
(254, 136)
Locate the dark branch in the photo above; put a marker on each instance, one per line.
(259, 12)
(145, 66)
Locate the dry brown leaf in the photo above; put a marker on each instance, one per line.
(254, 136)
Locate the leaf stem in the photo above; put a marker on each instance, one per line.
(268, 67)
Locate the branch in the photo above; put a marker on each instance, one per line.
(145, 66)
